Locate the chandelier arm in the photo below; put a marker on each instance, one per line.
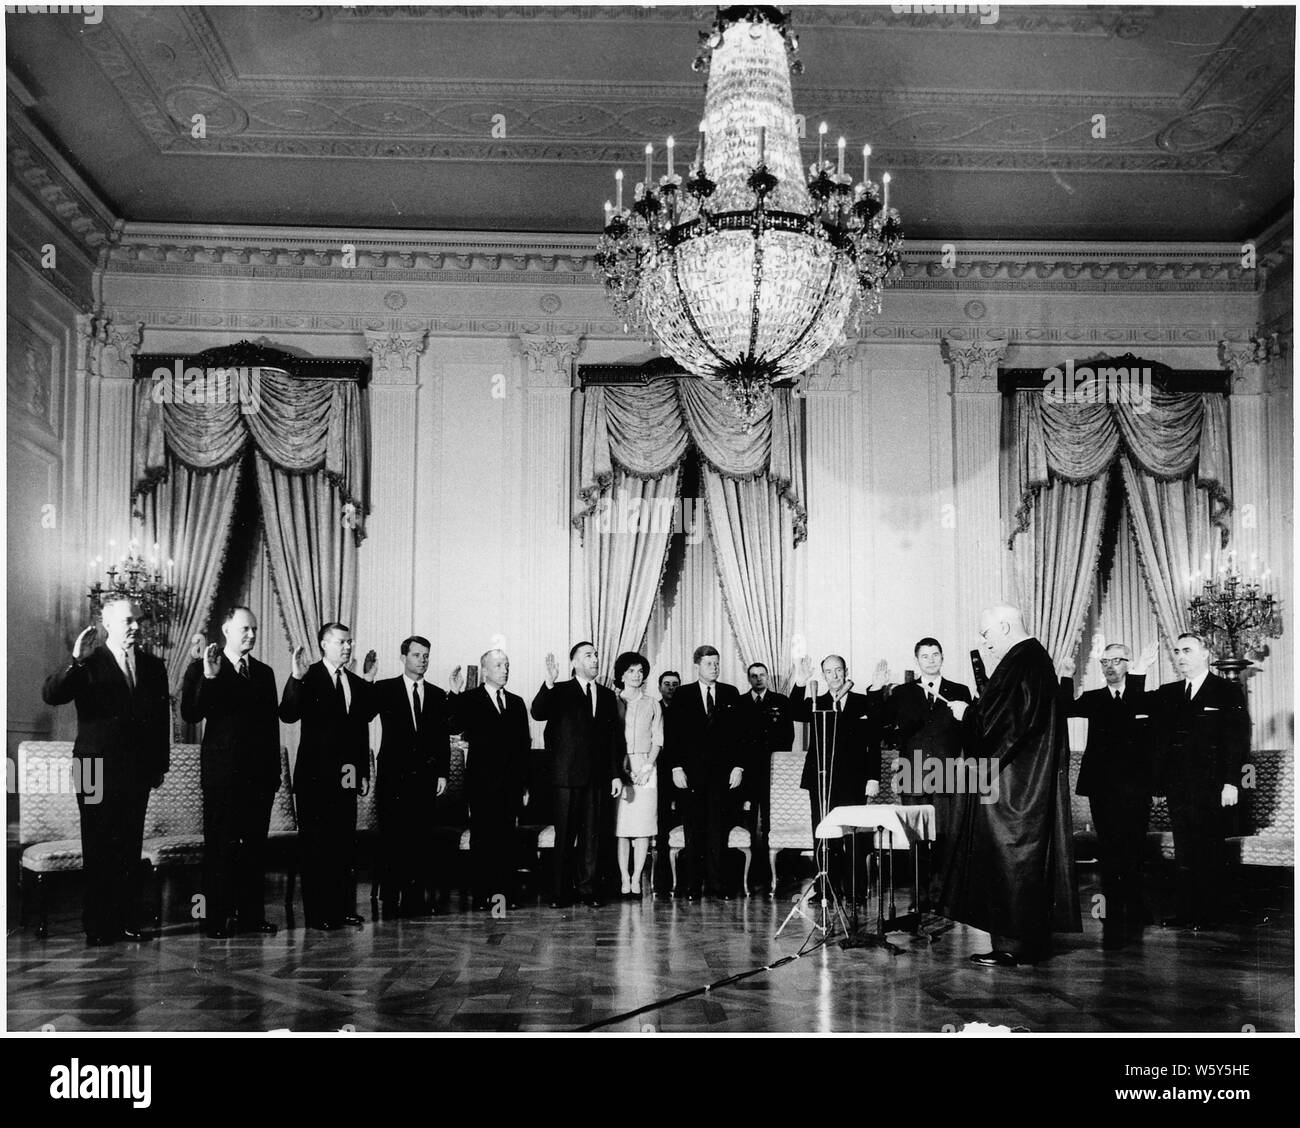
(690, 316)
(757, 291)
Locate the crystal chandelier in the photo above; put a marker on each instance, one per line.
(1235, 615)
(749, 271)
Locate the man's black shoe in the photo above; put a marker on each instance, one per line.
(354, 920)
(995, 959)
(135, 934)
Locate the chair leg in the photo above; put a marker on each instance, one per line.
(290, 881)
(771, 858)
(672, 861)
(749, 857)
(43, 928)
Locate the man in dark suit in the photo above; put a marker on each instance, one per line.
(333, 765)
(768, 727)
(1115, 775)
(1202, 740)
(706, 751)
(124, 740)
(494, 724)
(234, 694)
(916, 720)
(584, 737)
(414, 759)
(669, 682)
(851, 749)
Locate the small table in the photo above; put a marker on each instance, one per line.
(913, 824)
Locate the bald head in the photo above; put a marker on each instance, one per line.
(1002, 626)
(496, 668)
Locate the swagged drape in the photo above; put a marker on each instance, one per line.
(634, 438)
(1174, 467)
(311, 459)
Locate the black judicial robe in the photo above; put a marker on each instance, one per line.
(1011, 870)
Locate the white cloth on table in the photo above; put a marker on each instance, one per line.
(909, 824)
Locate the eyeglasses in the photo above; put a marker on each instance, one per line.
(1108, 662)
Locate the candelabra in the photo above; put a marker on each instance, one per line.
(747, 270)
(144, 584)
(1235, 615)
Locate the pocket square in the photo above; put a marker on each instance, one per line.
(1211, 709)
(1141, 716)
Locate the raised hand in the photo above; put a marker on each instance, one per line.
(552, 671)
(211, 660)
(1066, 668)
(369, 664)
(1147, 658)
(881, 677)
(84, 645)
(300, 663)
(805, 670)
(457, 680)
(197, 645)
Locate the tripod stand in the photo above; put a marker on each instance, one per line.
(829, 911)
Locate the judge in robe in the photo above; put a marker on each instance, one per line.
(1011, 869)
(411, 774)
(1115, 776)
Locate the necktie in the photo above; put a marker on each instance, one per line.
(338, 689)
(708, 703)
(1188, 696)
(415, 700)
(243, 667)
(130, 670)
(929, 693)
(839, 705)
(591, 710)
(1116, 695)
(501, 703)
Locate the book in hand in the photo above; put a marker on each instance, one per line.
(981, 678)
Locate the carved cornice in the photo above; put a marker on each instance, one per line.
(461, 258)
(395, 354)
(550, 359)
(53, 186)
(974, 363)
(279, 320)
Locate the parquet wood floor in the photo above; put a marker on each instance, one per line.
(540, 969)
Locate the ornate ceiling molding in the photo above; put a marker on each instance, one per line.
(461, 258)
(1123, 23)
(169, 64)
(52, 185)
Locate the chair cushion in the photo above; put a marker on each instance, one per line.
(677, 838)
(464, 839)
(177, 806)
(166, 850)
(283, 816)
(546, 838)
(1267, 849)
(738, 839)
(60, 855)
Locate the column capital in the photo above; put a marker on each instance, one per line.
(1246, 361)
(549, 359)
(831, 373)
(105, 349)
(974, 363)
(395, 354)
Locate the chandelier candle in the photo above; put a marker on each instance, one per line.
(885, 208)
(821, 144)
(670, 156)
(866, 163)
(649, 152)
(618, 192)
(748, 273)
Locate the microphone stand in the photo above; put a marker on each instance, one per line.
(829, 910)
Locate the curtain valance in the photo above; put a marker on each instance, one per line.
(646, 429)
(298, 425)
(1168, 437)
